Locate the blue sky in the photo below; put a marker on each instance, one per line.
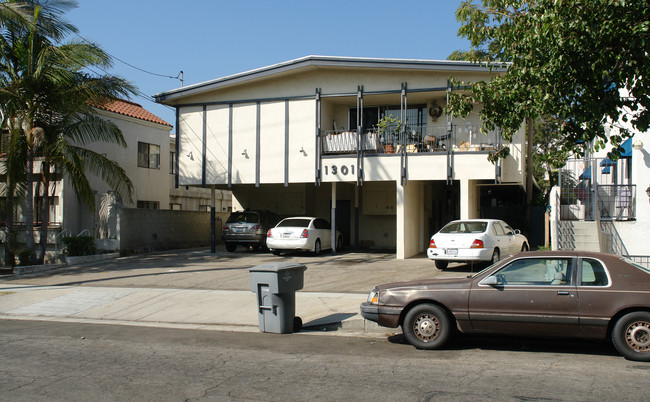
(211, 39)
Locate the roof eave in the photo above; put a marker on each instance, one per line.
(327, 61)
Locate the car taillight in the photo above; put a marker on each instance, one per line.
(477, 244)
(225, 228)
(432, 244)
(305, 234)
(256, 227)
(268, 234)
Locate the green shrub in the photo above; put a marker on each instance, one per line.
(79, 245)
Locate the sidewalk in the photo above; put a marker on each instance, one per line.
(198, 289)
(224, 310)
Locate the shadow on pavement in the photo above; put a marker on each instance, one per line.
(520, 344)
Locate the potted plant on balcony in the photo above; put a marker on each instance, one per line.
(388, 128)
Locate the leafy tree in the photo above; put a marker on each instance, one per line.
(572, 60)
(47, 97)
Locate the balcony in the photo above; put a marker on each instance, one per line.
(412, 139)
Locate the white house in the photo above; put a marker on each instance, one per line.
(303, 137)
(613, 193)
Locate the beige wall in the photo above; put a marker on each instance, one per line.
(149, 184)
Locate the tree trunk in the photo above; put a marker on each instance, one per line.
(29, 205)
(10, 244)
(45, 213)
(529, 173)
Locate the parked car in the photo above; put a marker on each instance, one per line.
(302, 233)
(247, 228)
(540, 293)
(475, 240)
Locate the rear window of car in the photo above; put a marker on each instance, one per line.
(464, 227)
(244, 217)
(295, 222)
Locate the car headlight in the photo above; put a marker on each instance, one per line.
(373, 297)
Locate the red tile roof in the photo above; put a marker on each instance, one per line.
(132, 109)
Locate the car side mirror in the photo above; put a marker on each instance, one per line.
(517, 231)
(490, 281)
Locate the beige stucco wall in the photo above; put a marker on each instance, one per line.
(149, 184)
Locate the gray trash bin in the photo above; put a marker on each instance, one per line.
(275, 286)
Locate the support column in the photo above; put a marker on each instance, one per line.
(357, 195)
(213, 230)
(333, 219)
(469, 208)
(409, 213)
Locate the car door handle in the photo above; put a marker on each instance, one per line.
(563, 293)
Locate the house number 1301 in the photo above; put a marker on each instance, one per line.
(335, 169)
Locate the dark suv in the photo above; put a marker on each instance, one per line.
(248, 228)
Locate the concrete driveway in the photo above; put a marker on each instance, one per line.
(347, 272)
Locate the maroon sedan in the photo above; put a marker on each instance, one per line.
(542, 293)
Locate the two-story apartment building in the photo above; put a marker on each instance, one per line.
(311, 137)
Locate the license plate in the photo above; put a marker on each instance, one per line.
(286, 235)
(238, 230)
(451, 251)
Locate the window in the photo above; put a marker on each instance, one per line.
(498, 229)
(321, 224)
(38, 209)
(295, 222)
(464, 227)
(148, 204)
(175, 207)
(536, 271)
(593, 273)
(172, 162)
(244, 217)
(148, 155)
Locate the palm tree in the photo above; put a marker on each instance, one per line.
(46, 95)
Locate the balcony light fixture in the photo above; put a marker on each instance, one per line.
(245, 153)
(638, 145)
(647, 191)
(302, 150)
(189, 155)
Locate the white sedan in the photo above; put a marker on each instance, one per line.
(302, 233)
(475, 240)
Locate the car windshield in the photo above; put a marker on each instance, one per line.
(244, 217)
(464, 227)
(295, 222)
(639, 266)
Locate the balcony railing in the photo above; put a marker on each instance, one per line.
(414, 139)
(583, 193)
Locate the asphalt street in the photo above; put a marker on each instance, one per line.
(57, 361)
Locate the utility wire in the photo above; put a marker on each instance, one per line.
(178, 77)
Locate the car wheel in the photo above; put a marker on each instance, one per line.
(441, 264)
(230, 247)
(317, 247)
(495, 256)
(524, 247)
(631, 336)
(339, 244)
(426, 326)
